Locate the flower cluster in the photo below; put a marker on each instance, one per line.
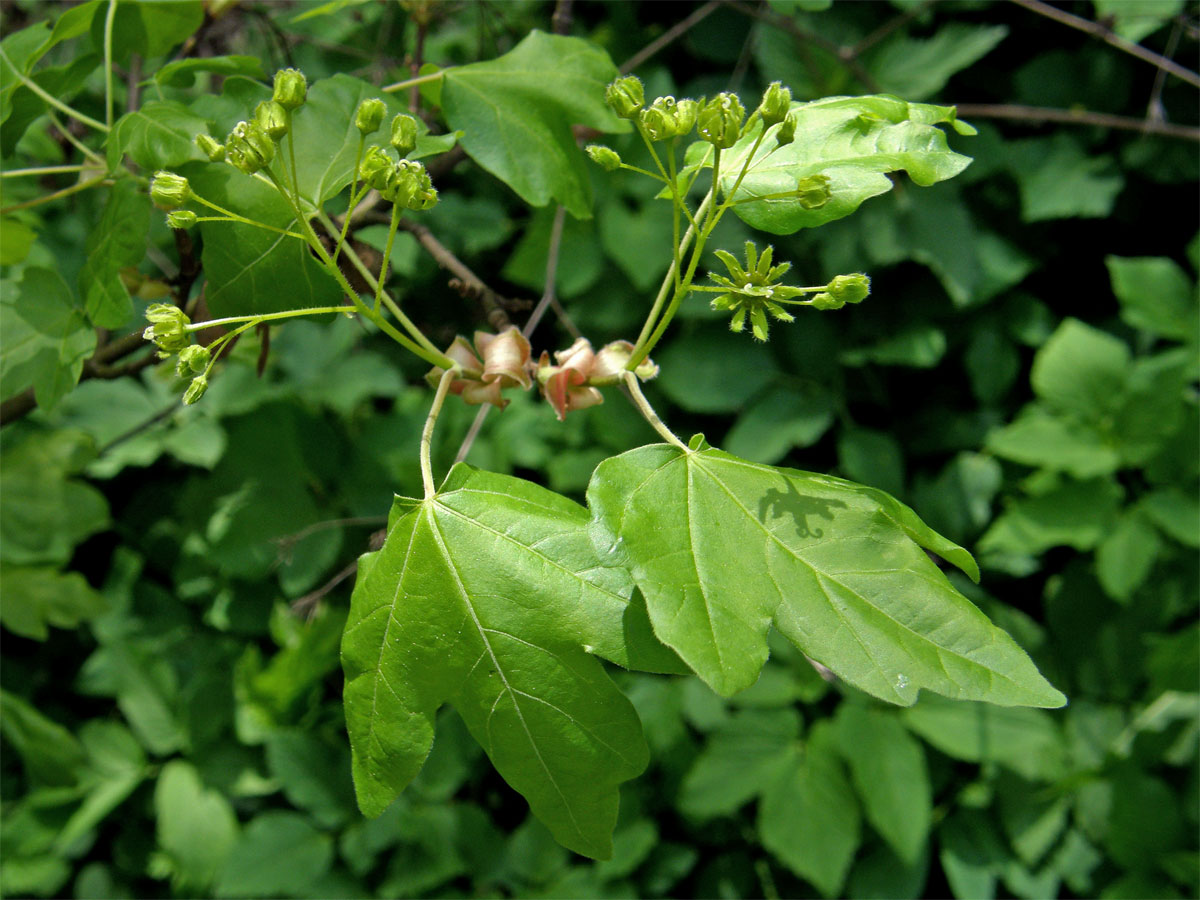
(497, 362)
(402, 182)
(754, 291)
(170, 330)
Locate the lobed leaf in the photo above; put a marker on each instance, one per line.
(490, 596)
(721, 547)
(516, 114)
(854, 141)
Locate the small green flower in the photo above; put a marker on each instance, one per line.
(273, 119)
(776, 102)
(605, 157)
(369, 115)
(181, 219)
(787, 131)
(195, 390)
(249, 148)
(291, 88)
(168, 328)
(753, 291)
(404, 134)
(813, 191)
(210, 147)
(169, 191)
(193, 360)
(685, 115)
(841, 290)
(625, 96)
(658, 119)
(720, 120)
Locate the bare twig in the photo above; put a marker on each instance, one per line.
(560, 22)
(472, 285)
(286, 542)
(1154, 107)
(141, 427)
(1110, 37)
(1075, 117)
(671, 34)
(885, 29)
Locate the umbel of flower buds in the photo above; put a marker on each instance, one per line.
(291, 89)
(720, 120)
(210, 147)
(776, 102)
(193, 360)
(404, 183)
(273, 119)
(169, 191)
(404, 134)
(605, 157)
(369, 115)
(248, 148)
(625, 96)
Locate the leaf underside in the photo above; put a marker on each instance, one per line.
(490, 597)
(722, 547)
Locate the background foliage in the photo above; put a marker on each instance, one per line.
(1024, 375)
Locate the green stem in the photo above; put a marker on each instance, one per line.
(43, 170)
(268, 317)
(83, 148)
(292, 157)
(641, 171)
(234, 217)
(108, 66)
(677, 261)
(741, 175)
(73, 189)
(387, 253)
(427, 433)
(51, 99)
(643, 347)
(643, 405)
(362, 138)
(429, 352)
(664, 289)
(420, 79)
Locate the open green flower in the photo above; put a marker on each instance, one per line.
(753, 291)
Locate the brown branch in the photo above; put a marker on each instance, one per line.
(307, 605)
(560, 22)
(844, 54)
(1110, 37)
(1074, 117)
(885, 29)
(668, 36)
(471, 285)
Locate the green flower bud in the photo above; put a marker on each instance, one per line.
(658, 120)
(369, 115)
(813, 191)
(273, 119)
(182, 219)
(685, 116)
(168, 190)
(720, 120)
(625, 96)
(211, 148)
(374, 168)
(842, 290)
(776, 102)
(193, 360)
(605, 157)
(249, 148)
(787, 131)
(404, 134)
(291, 88)
(195, 390)
(168, 328)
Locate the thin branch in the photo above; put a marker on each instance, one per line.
(286, 542)
(560, 22)
(884, 30)
(671, 34)
(141, 427)
(1154, 107)
(307, 605)
(1075, 117)
(1110, 37)
(472, 285)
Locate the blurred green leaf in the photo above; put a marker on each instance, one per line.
(182, 72)
(1081, 370)
(809, 818)
(917, 69)
(157, 135)
(1038, 437)
(117, 240)
(1058, 180)
(1155, 295)
(1125, 558)
(197, 829)
(277, 854)
(778, 420)
(1077, 514)
(50, 753)
(36, 598)
(696, 366)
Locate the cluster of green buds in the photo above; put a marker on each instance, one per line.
(170, 330)
(402, 182)
(168, 192)
(754, 291)
(720, 120)
(251, 145)
(668, 118)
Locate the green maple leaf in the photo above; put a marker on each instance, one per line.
(489, 596)
(721, 547)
